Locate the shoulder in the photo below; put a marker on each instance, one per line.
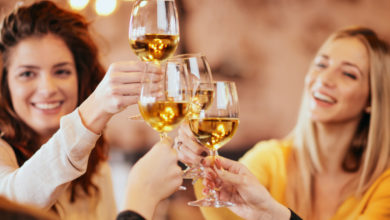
(7, 154)
(375, 203)
(269, 150)
(380, 188)
(267, 160)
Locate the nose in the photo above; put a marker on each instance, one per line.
(327, 77)
(47, 86)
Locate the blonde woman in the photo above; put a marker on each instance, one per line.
(55, 100)
(335, 163)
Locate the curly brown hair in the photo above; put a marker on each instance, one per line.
(37, 20)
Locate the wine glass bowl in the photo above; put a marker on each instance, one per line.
(202, 93)
(154, 29)
(200, 80)
(214, 127)
(164, 103)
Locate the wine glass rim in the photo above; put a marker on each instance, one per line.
(223, 81)
(186, 56)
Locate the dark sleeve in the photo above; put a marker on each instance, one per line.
(129, 215)
(294, 216)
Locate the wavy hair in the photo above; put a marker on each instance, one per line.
(37, 20)
(369, 152)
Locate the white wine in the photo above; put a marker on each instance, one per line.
(163, 116)
(155, 47)
(201, 100)
(213, 133)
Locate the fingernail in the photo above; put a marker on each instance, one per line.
(204, 154)
(218, 163)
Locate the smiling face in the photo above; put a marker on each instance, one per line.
(338, 81)
(42, 81)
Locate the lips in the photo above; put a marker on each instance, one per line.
(47, 105)
(323, 97)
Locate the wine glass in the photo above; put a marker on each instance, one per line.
(214, 127)
(202, 93)
(154, 29)
(164, 102)
(200, 80)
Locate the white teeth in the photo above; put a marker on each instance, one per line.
(47, 106)
(323, 97)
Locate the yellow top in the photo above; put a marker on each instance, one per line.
(267, 161)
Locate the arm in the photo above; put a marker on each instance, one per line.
(153, 178)
(42, 178)
(119, 88)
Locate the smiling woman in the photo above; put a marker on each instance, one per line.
(338, 81)
(55, 100)
(335, 164)
(42, 88)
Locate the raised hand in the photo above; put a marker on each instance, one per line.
(189, 150)
(119, 88)
(154, 177)
(238, 185)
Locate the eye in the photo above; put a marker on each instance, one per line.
(62, 72)
(26, 74)
(321, 65)
(350, 75)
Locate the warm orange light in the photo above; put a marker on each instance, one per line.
(78, 4)
(105, 7)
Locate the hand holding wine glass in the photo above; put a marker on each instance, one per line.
(214, 127)
(202, 93)
(164, 103)
(238, 185)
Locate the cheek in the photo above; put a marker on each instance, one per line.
(72, 92)
(309, 78)
(18, 93)
(357, 98)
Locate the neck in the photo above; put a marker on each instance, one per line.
(334, 141)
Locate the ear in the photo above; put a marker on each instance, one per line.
(367, 109)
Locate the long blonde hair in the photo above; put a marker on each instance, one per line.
(369, 153)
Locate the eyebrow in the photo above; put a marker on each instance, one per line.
(324, 56)
(62, 64)
(353, 65)
(36, 67)
(345, 63)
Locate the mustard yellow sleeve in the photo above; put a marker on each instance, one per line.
(378, 200)
(263, 160)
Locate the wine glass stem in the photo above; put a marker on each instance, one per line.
(214, 154)
(163, 135)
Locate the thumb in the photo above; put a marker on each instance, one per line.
(228, 177)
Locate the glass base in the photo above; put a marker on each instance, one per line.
(210, 202)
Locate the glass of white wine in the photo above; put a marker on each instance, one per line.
(165, 99)
(154, 29)
(202, 93)
(214, 127)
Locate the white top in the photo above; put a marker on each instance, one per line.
(43, 179)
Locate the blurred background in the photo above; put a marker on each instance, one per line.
(265, 46)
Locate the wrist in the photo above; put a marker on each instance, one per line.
(280, 212)
(272, 210)
(141, 203)
(93, 117)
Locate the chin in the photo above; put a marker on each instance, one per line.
(47, 130)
